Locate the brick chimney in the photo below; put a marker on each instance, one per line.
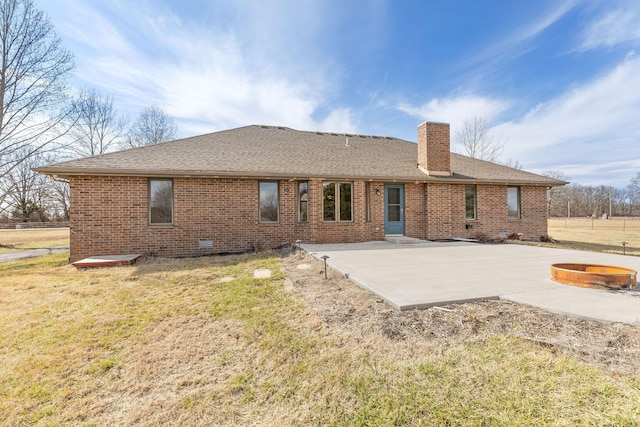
(434, 151)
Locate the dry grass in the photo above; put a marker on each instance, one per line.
(597, 235)
(34, 238)
(167, 342)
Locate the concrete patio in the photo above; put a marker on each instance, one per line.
(426, 274)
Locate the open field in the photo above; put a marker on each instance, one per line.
(13, 240)
(202, 342)
(597, 235)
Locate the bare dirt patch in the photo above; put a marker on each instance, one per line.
(347, 308)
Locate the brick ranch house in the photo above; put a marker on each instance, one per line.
(261, 186)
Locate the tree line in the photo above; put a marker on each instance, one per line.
(575, 200)
(44, 119)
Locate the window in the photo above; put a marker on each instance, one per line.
(513, 202)
(470, 201)
(269, 204)
(303, 201)
(367, 200)
(160, 201)
(337, 202)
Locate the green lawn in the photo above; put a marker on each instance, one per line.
(202, 342)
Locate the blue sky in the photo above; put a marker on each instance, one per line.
(559, 81)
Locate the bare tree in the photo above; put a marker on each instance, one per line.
(152, 126)
(25, 189)
(633, 193)
(478, 142)
(555, 193)
(33, 82)
(97, 127)
(591, 201)
(58, 199)
(619, 201)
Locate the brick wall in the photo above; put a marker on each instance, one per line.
(109, 215)
(440, 208)
(491, 213)
(414, 211)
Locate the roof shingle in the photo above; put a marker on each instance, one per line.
(280, 152)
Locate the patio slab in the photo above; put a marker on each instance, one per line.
(438, 273)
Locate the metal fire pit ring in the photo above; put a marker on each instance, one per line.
(594, 276)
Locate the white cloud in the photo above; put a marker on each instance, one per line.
(605, 108)
(456, 109)
(599, 173)
(595, 123)
(206, 78)
(545, 21)
(591, 132)
(614, 26)
(518, 41)
(339, 120)
(96, 33)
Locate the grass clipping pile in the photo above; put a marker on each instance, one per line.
(347, 307)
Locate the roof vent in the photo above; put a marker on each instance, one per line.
(346, 144)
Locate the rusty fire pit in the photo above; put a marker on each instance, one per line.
(594, 276)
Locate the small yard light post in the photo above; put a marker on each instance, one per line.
(298, 242)
(624, 247)
(324, 258)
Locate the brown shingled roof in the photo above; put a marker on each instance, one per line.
(280, 152)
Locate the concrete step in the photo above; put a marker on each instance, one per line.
(404, 240)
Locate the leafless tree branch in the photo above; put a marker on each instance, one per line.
(151, 127)
(477, 141)
(34, 68)
(97, 127)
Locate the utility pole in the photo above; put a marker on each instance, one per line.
(610, 212)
